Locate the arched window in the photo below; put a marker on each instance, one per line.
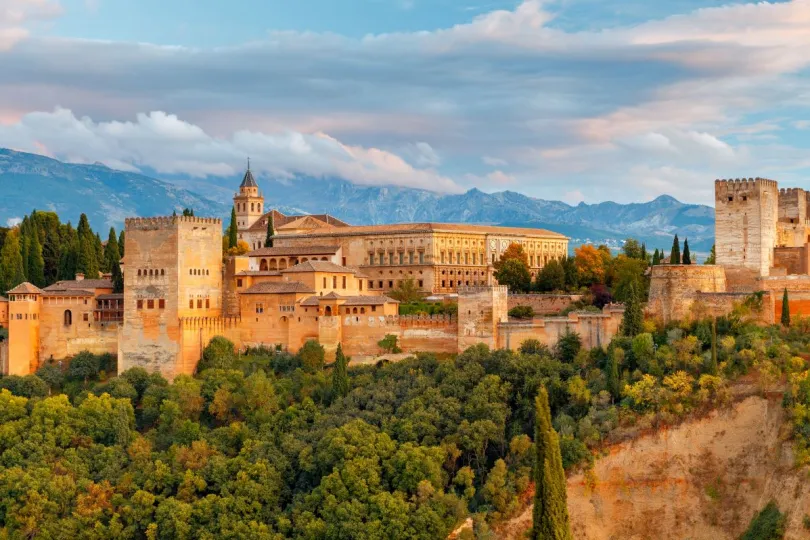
(263, 265)
(328, 311)
(162, 272)
(68, 317)
(139, 272)
(362, 310)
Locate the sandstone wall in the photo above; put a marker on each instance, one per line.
(3, 312)
(794, 260)
(673, 288)
(58, 340)
(436, 333)
(23, 333)
(4, 357)
(595, 329)
(480, 312)
(197, 332)
(544, 304)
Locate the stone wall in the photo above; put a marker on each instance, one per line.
(4, 357)
(794, 260)
(595, 329)
(480, 311)
(544, 304)
(59, 340)
(436, 333)
(674, 288)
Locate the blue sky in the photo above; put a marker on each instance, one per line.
(567, 99)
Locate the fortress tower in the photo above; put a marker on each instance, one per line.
(23, 329)
(480, 310)
(249, 202)
(746, 213)
(173, 271)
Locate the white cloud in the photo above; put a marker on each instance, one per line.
(169, 145)
(13, 222)
(16, 14)
(494, 161)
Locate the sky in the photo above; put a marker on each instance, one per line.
(573, 100)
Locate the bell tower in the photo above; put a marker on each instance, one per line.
(249, 203)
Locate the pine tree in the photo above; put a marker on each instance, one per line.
(675, 254)
(687, 258)
(117, 278)
(69, 261)
(550, 515)
(232, 236)
(11, 262)
(656, 258)
(714, 347)
(271, 232)
(613, 379)
(643, 256)
(785, 309)
(101, 261)
(712, 257)
(36, 264)
(83, 230)
(112, 255)
(121, 243)
(25, 242)
(340, 375)
(633, 317)
(87, 263)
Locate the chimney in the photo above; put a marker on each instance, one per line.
(107, 275)
(79, 276)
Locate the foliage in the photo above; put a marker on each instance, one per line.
(633, 317)
(590, 264)
(551, 277)
(271, 232)
(785, 319)
(340, 374)
(675, 252)
(241, 248)
(712, 258)
(522, 312)
(514, 273)
(514, 252)
(406, 291)
(232, 230)
(12, 272)
(218, 354)
(312, 356)
(389, 344)
(428, 308)
(769, 524)
(687, 257)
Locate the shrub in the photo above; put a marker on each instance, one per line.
(389, 344)
(218, 354)
(312, 356)
(769, 524)
(522, 312)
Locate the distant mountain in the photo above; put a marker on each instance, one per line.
(30, 181)
(33, 182)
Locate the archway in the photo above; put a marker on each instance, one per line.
(68, 317)
(263, 265)
(273, 265)
(282, 264)
(328, 311)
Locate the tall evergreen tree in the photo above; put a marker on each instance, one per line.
(550, 515)
(188, 212)
(340, 375)
(643, 256)
(687, 257)
(83, 230)
(112, 255)
(25, 242)
(675, 254)
(232, 231)
(117, 278)
(121, 242)
(633, 317)
(69, 259)
(36, 264)
(87, 263)
(712, 257)
(613, 378)
(656, 260)
(714, 346)
(785, 309)
(11, 263)
(101, 261)
(271, 232)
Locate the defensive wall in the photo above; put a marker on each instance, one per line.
(543, 304)
(674, 288)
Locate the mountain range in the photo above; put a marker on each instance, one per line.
(107, 196)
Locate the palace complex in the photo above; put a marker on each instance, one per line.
(321, 280)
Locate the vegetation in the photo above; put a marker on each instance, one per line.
(233, 230)
(712, 258)
(687, 257)
(675, 252)
(769, 524)
(406, 291)
(428, 308)
(522, 312)
(271, 232)
(389, 344)
(785, 319)
(514, 274)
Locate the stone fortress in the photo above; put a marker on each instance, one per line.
(322, 279)
(762, 243)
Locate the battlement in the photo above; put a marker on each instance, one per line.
(398, 320)
(790, 191)
(741, 184)
(482, 289)
(187, 323)
(162, 222)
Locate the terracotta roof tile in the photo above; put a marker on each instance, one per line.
(273, 287)
(279, 220)
(81, 284)
(318, 266)
(430, 227)
(259, 273)
(286, 251)
(350, 300)
(25, 288)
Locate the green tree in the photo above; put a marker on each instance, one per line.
(687, 257)
(218, 354)
(112, 253)
(712, 259)
(36, 264)
(312, 356)
(614, 382)
(632, 248)
(69, 260)
(188, 212)
(121, 237)
(571, 273)
(232, 230)
(271, 232)
(656, 260)
(514, 273)
(633, 317)
(550, 513)
(644, 255)
(785, 309)
(568, 346)
(675, 253)
(340, 374)
(12, 270)
(389, 344)
(87, 263)
(769, 524)
(406, 291)
(117, 279)
(551, 277)
(713, 368)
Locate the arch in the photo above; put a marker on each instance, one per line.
(293, 261)
(272, 264)
(162, 271)
(354, 311)
(68, 317)
(139, 272)
(327, 259)
(362, 310)
(263, 265)
(328, 311)
(304, 259)
(282, 264)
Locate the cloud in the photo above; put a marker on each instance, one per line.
(165, 143)
(16, 14)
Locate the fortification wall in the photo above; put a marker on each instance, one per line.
(595, 329)
(60, 340)
(480, 311)
(673, 288)
(794, 260)
(197, 332)
(4, 357)
(543, 304)
(435, 333)
(230, 298)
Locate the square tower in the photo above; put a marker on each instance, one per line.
(746, 212)
(25, 301)
(249, 203)
(173, 271)
(480, 312)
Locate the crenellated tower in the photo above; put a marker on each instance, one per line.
(746, 214)
(249, 202)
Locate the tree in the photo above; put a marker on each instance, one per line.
(340, 375)
(632, 248)
(522, 312)
(785, 309)
(568, 346)
(218, 354)
(643, 256)
(633, 317)
(590, 263)
(675, 253)
(87, 263)
(513, 252)
(232, 230)
(614, 383)
(550, 514)
(241, 248)
(117, 279)
(112, 254)
(121, 238)
(69, 261)
(406, 291)
(569, 265)
(389, 344)
(624, 273)
(712, 259)
(656, 259)
(551, 277)
(12, 271)
(514, 273)
(713, 368)
(36, 264)
(312, 356)
(271, 232)
(188, 212)
(687, 258)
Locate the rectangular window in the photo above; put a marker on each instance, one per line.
(371, 259)
(373, 308)
(190, 303)
(140, 304)
(475, 259)
(390, 284)
(238, 282)
(162, 303)
(85, 317)
(324, 282)
(410, 257)
(391, 259)
(259, 308)
(381, 285)
(466, 258)
(150, 304)
(442, 284)
(421, 257)
(360, 283)
(442, 257)
(421, 284)
(344, 282)
(199, 303)
(401, 258)
(450, 257)
(334, 282)
(207, 303)
(344, 261)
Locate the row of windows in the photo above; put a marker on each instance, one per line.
(459, 283)
(254, 207)
(24, 316)
(390, 284)
(197, 272)
(395, 258)
(342, 281)
(456, 258)
(199, 303)
(150, 303)
(151, 272)
(67, 317)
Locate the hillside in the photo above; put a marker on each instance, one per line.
(107, 196)
(30, 181)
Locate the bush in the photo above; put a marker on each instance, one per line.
(311, 356)
(522, 312)
(218, 354)
(428, 308)
(769, 524)
(389, 344)
(533, 346)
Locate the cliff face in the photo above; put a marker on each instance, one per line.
(704, 479)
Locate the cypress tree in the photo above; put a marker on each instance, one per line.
(271, 232)
(117, 278)
(675, 254)
(687, 258)
(25, 242)
(36, 264)
(87, 262)
(101, 262)
(340, 375)
(613, 380)
(112, 255)
(232, 238)
(69, 261)
(83, 230)
(714, 346)
(712, 257)
(633, 317)
(550, 515)
(11, 263)
(785, 309)
(656, 258)
(643, 255)
(121, 242)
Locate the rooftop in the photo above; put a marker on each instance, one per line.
(431, 227)
(279, 220)
(301, 250)
(272, 287)
(318, 266)
(25, 288)
(259, 273)
(247, 180)
(80, 284)
(114, 296)
(359, 300)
